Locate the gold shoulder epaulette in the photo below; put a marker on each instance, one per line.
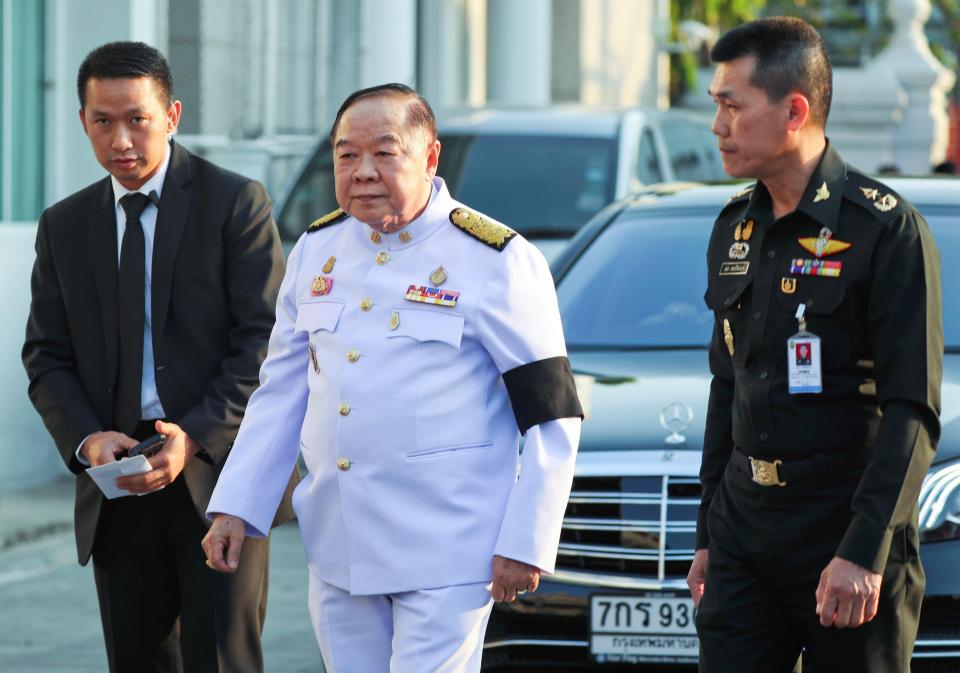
(874, 196)
(494, 234)
(746, 191)
(327, 220)
(738, 198)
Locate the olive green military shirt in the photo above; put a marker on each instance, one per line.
(873, 298)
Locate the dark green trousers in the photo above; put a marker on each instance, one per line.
(768, 546)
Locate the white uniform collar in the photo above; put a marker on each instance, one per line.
(431, 219)
(154, 184)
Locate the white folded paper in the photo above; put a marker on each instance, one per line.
(105, 476)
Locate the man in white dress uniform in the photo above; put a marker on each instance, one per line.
(415, 341)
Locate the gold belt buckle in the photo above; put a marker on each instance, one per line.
(765, 472)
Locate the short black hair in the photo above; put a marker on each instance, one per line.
(790, 56)
(419, 113)
(116, 60)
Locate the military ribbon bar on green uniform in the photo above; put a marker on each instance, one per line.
(815, 267)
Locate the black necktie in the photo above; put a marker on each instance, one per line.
(132, 279)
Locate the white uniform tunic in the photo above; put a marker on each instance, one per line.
(401, 413)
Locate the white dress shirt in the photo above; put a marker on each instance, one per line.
(150, 406)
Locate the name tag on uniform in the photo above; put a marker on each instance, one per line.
(734, 268)
(432, 295)
(803, 364)
(803, 359)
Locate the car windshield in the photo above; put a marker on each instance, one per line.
(945, 225)
(640, 284)
(542, 186)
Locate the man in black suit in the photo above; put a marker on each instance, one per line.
(153, 299)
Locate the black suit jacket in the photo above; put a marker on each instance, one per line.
(217, 267)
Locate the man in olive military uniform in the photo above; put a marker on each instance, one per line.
(807, 531)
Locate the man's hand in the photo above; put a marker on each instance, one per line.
(167, 463)
(511, 578)
(223, 542)
(104, 447)
(697, 577)
(848, 595)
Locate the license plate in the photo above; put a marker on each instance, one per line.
(635, 628)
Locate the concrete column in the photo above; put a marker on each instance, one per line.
(271, 68)
(921, 138)
(621, 60)
(565, 52)
(518, 52)
(388, 42)
(476, 52)
(442, 58)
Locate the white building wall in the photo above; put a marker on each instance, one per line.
(621, 60)
(27, 453)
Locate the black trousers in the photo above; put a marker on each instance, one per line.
(163, 610)
(768, 546)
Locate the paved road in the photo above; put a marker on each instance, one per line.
(49, 619)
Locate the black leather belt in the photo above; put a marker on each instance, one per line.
(780, 473)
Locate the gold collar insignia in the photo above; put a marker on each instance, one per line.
(822, 193)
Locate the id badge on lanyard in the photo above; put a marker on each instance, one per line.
(803, 359)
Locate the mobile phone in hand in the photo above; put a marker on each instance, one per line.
(147, 447)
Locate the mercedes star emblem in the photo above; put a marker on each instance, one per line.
(675, 418)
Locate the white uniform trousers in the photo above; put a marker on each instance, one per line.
(429, 631)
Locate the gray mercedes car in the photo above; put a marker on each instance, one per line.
(631, 287)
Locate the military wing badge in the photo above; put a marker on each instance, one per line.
(824, 244)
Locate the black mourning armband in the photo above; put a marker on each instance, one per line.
(542, 391)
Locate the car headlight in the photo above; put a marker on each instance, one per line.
(940, 503)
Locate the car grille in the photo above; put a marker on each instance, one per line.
(571, 624)
(639, 526)
(939, 618)
(644, 528)
(934, 666)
